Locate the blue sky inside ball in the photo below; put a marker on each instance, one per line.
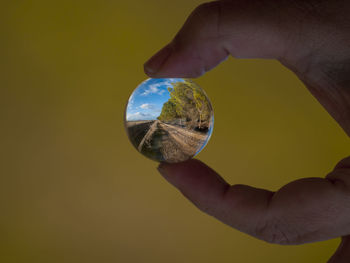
(147, 100)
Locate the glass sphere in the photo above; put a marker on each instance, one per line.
(169, 120)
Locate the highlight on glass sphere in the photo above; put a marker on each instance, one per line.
(169, 120)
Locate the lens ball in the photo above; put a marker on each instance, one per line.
(169, 120)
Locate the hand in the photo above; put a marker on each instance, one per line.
(311, 38)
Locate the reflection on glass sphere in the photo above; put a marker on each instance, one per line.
(169, 120)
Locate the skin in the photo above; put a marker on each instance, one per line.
(311, 38)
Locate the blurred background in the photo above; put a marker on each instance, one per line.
(73, 188)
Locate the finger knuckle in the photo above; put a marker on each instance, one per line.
(274, 231)
(205, 207)
(206, 8)
(205, 17)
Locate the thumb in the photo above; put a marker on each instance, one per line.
(342, 255)
(302, 211)
(240, 206)
(215, 30)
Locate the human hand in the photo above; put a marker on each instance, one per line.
(311, 38)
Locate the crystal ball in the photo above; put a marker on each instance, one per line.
(169, 120)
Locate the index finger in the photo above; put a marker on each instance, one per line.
(215, 30)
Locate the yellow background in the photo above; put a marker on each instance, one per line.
(72, 187)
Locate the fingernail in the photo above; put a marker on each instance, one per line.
(154, 64)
